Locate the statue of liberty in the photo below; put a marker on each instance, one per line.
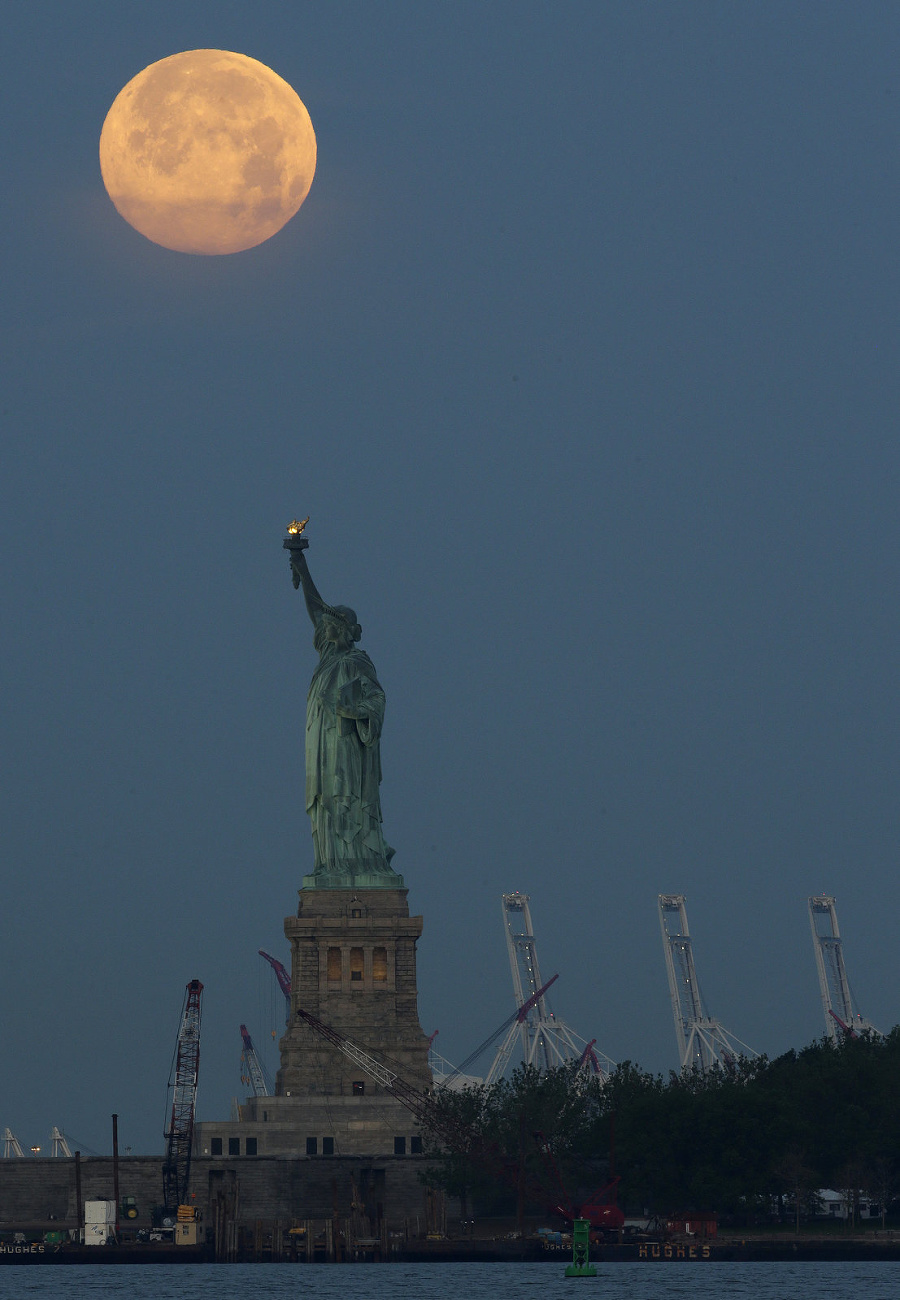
(344, 717)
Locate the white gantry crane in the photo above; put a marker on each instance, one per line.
(11, 1145)
(59, 1145)
(841, 1014)
(702, 1042)
(545, 1040)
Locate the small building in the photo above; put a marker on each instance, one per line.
(836, 1205)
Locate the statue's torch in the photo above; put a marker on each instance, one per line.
(295, 542)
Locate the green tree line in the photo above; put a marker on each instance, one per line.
(735, 1140)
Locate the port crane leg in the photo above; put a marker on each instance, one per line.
(841, 1015)
(703, 1043)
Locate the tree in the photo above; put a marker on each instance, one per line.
(793, 1170)
(849, 1180)
(486, 1142)
(727, 1140)
(879, 1182)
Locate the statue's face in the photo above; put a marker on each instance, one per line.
(336, 630)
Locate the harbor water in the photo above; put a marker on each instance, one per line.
(708, 1280)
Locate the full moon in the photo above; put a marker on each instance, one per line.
(207, 152)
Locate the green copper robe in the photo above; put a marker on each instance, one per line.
(343, 763)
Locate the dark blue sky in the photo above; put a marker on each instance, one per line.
(582, 354)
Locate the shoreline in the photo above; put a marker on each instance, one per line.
(732, 1249)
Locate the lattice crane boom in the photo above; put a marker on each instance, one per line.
(459, 1137)
(418, 1102)
(511, 1025)
(255, 1075)
(186, 1070)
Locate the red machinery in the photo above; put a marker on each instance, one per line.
(848, 1029)
(600, 1208)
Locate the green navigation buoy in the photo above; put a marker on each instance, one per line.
(581, 1265)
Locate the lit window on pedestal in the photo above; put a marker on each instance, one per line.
(359, 1087)
(334, 963)
(379, 964)
(356, 963)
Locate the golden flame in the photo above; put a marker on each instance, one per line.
(296, 526)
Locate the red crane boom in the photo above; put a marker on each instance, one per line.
(517, 1016)
(284, 980)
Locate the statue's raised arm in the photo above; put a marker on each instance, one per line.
(315, 605)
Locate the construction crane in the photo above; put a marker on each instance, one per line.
(462, 1138)
(703, 1043)
(284, 979)
(180, 1134)
(11, 1145)
(545, 1041)
(255, 1074)
(441, 1069)
(841, 1015)
(510, 1024)
(600, 1208)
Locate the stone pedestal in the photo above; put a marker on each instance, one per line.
(353, 966)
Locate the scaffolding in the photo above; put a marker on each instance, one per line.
(703, 1043)
(545, 1041)
(841, 1014)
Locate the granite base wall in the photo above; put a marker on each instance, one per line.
(40, 1193)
